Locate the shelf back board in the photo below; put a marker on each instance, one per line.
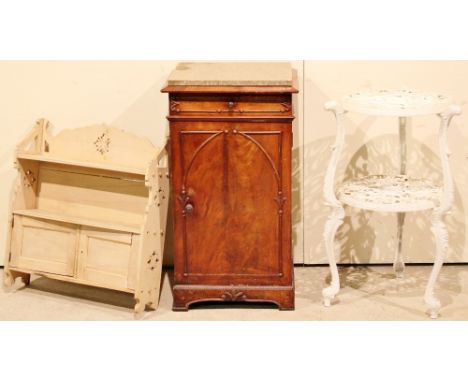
(91, 193)
(101, 144)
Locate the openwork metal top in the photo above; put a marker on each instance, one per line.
(399, 103)
(392, 193)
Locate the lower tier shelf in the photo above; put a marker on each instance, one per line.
(68, 279)
(55, 216)
(390, 193)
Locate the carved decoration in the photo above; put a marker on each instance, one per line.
(280, 199)
(29, 179)
(153, 260)
(102, 143)
(286, 107)
(233, 295)
(184, 200)
(174, 106)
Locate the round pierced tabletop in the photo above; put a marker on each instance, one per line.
(399, 103)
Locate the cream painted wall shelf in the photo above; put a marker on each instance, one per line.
(392, 193)
(89, 206)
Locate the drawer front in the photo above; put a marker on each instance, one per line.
(230, 105)
(108, 257)
(43, 245)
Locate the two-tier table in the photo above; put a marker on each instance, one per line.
(392, 193)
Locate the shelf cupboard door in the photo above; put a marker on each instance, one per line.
(108, 258)
(44, 246)
(231, 194)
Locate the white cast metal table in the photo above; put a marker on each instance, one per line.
(391, 193)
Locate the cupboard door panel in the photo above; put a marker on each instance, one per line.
(108, 257)
(230, 195)
(204, 212)
(252, 178)
(43, 245)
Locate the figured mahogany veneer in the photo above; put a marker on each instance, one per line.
(231, 194)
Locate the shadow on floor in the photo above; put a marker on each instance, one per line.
(85, 292)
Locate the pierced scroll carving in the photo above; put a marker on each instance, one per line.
(29, 179)
(102, 143)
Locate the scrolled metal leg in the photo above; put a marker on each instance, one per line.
(331, 226)
(441, 240)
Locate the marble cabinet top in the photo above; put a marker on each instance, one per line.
(231, 74)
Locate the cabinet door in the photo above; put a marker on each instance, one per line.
(230, 194)
(43, 245)
(108, 258)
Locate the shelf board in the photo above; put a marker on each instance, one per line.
(56, 216)
(70, 162)
(390, 193)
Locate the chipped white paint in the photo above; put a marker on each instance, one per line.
(391, 193)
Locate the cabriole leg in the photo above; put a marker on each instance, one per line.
(441, 240)
(331, 226)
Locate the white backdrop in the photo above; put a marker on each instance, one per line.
(126, 94)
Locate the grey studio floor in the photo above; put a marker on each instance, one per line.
(367, 293)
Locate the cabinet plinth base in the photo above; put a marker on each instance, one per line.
(185, 295)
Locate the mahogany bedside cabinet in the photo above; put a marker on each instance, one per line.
(230, 157)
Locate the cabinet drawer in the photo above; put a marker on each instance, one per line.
(108, 257)
(229, 104)
(43, 245)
